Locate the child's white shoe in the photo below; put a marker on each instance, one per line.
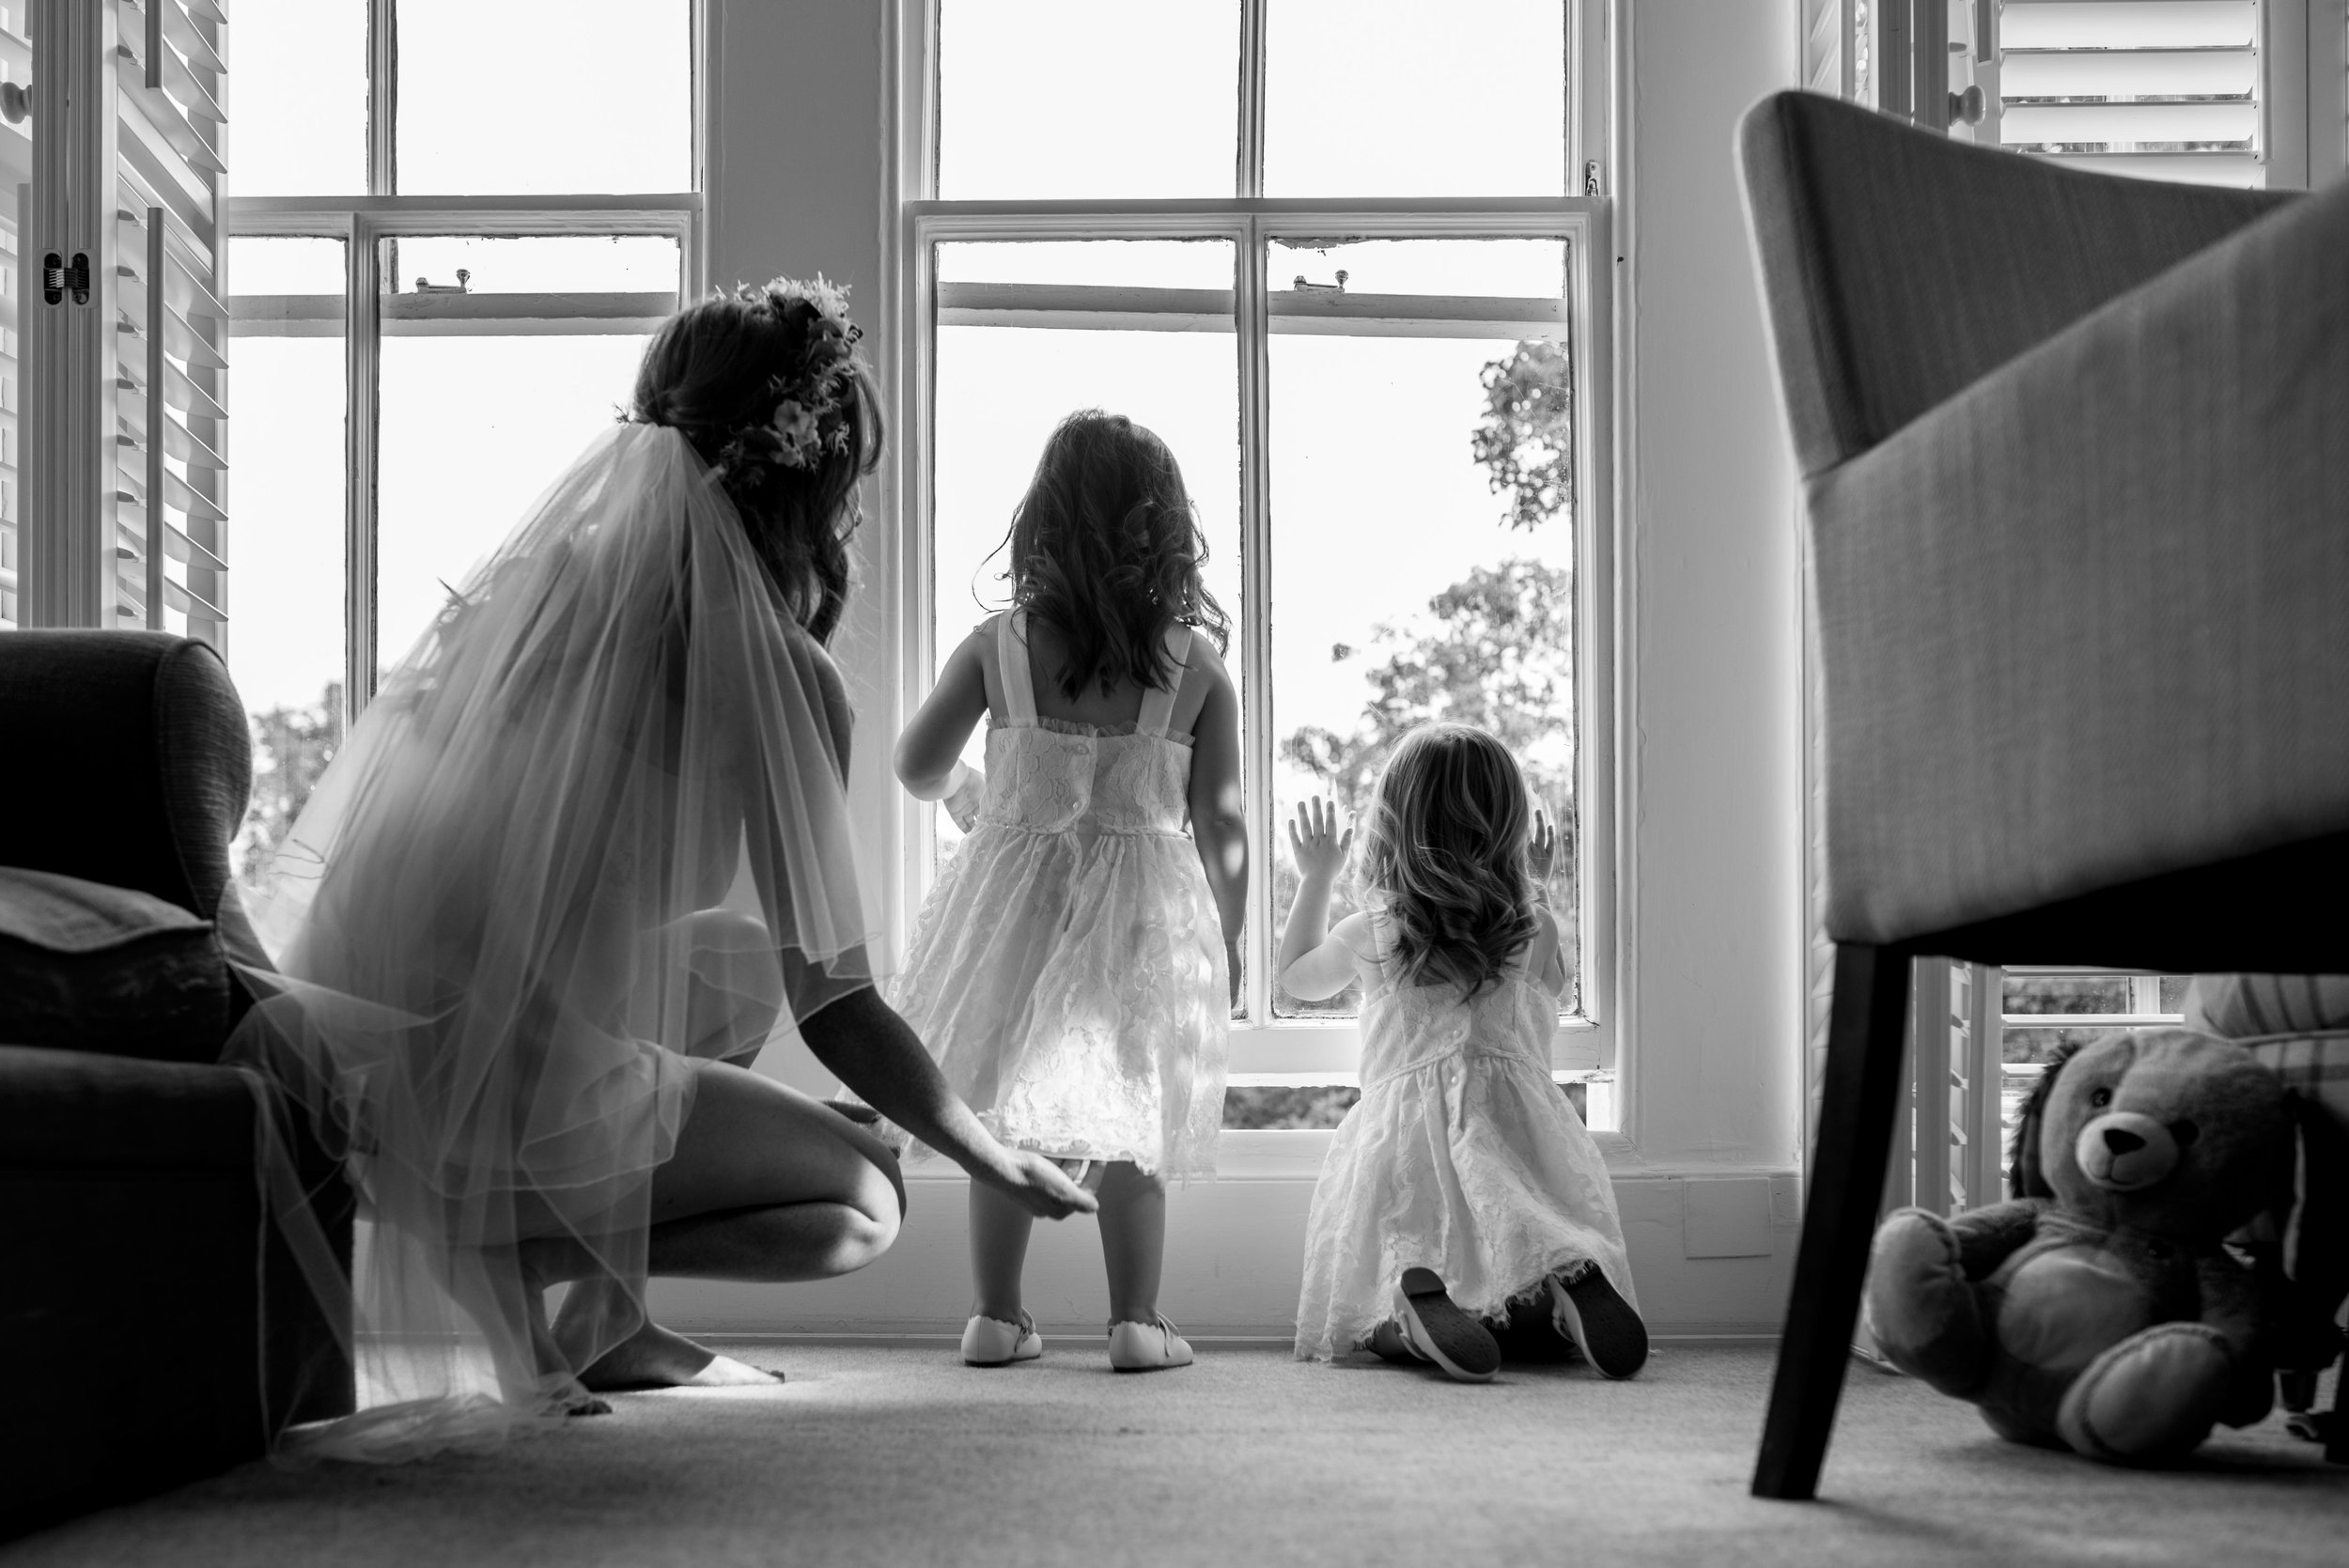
(990, 1342)
(1147, 1346)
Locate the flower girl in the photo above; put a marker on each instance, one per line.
(1072, 967)
(1462, 1184)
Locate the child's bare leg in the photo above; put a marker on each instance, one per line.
(999, 1253)
(1133, 1241)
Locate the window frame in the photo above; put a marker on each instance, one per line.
(361, 222)
(1268, 1049)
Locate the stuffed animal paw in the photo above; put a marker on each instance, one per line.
(2151, 1399)
(1922, 1312)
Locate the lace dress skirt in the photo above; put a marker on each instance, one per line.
(1462, 1156)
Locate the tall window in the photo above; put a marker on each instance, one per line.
(1349, 260)
(437, 300)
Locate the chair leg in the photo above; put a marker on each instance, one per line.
(1846, 1189)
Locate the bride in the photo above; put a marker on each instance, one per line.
(587, 846)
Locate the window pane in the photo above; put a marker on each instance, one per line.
(1495, 268)
(2066, 993)
(1452, 452)
(286, 641)
(1386, 97)
(300, 103)
(1002, 387)
(492, 384)
(1073, 97)
(535, 264)
(514, 98)
(1117, 264)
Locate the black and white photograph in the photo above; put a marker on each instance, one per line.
(1099, 783)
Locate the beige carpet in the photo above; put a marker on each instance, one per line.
(899, 1456)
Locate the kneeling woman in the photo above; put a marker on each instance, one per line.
(587, 845)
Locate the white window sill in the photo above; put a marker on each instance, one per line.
(1281, 1155)
(1313, 1050)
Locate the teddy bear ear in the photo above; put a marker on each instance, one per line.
(2027, 1179)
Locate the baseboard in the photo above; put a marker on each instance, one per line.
(1712, 1257)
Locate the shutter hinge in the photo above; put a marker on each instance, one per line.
(56, 278)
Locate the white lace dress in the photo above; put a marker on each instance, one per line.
(1461, 1156)
(1067, 970)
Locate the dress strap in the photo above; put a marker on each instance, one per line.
(1157, 703)
(1011, 660)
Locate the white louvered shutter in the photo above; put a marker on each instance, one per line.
(16, 178)
(123, 520)
(2168, 89)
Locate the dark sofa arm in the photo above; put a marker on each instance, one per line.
(153, 762)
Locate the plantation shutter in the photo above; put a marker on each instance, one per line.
(123, 521)
(16, 179)
(2168, 89)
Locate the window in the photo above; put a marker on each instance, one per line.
(2044, 1010)
(1353, 268)
(432, 314)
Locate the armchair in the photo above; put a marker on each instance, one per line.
(2075, 457)
(138, 1271)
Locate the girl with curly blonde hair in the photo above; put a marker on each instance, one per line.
(1462, 1189)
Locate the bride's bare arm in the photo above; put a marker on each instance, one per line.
(874, 1052)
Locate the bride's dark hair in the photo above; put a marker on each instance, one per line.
(718, 370)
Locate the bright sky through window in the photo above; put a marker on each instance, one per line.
(1380, 499)
(472, 428)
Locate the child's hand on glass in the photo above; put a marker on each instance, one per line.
(1314, 840)
(1541, 854)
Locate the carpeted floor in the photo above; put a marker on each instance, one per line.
(899, 1456)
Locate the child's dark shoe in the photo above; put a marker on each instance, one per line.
(1439, 1330)
(1598, 1320)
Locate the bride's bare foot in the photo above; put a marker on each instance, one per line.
(653, 1357)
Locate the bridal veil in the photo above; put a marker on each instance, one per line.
(495, 937)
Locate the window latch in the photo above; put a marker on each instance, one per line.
(56, 278)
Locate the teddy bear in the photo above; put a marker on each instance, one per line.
(2098, 1310)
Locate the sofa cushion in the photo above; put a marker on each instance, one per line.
(89, 967)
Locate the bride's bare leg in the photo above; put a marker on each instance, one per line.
(765, 1185)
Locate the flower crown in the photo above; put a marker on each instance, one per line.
(807, 420)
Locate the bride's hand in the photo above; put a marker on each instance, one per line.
(1038, 1185)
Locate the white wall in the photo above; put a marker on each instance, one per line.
(793, 174)
(1711, 733)
(1712, 942)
